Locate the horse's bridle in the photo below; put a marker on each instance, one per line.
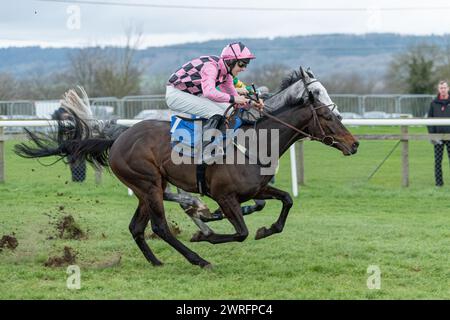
(333, 105)
(325, 139)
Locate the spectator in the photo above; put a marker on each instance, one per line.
(439, 108)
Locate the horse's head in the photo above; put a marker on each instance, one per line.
(318, 114)
(312, 85)
(325, 118)
(325, 126)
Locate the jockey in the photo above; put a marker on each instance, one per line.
(192, 88)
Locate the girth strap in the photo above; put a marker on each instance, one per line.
(201, 181)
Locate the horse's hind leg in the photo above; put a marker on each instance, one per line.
(192, 206)
(160, 227)
(137, 228)
(232, 210)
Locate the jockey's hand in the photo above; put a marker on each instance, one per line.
(242, 91)
(241, 100)
(259, 104)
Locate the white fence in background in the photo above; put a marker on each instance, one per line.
(347, 122)
(129, 107)
(297, 168)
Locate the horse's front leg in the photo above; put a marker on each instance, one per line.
(273, 193)
(232, 210)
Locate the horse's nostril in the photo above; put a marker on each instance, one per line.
(355, 145)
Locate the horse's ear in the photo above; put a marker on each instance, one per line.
(310, 73)
(311, 97)
(304, 74)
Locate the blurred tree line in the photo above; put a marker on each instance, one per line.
(419, 69)
(102, 72)
(351, 83)
(116, 72)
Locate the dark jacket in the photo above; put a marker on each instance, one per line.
(439, 108)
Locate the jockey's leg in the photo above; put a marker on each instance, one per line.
(200, 106)
(212, 123)
(184, 102)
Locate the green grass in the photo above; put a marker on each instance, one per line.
(340, 224)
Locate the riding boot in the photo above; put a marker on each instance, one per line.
(212, 123)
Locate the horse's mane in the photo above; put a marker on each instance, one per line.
(292, 78)
(289, 80)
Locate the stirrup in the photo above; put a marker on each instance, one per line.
(218, 154)
(212, 123)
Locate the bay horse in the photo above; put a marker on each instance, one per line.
(79, 106)
(141, 158)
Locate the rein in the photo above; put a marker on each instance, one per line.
(327, 140)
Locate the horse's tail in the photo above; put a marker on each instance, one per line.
(71, 141)
(95, 151)
(76, 104)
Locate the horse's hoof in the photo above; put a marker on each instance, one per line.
(261, 233)
(215, 216)
(157, 264)
(198, 236)
(207, 266)
(204, 213)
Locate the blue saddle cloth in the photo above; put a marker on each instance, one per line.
(190, 133)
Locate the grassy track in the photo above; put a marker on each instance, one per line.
(340, 224)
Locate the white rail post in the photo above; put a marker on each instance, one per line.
(2, 156)
(301, 163)
(293, 170)
(405, 157)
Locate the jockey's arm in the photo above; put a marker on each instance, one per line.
(208, 82)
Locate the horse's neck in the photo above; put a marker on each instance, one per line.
(279, 100)
(287, 136)
(292, 116)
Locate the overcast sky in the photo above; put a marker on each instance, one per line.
(57, 24)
